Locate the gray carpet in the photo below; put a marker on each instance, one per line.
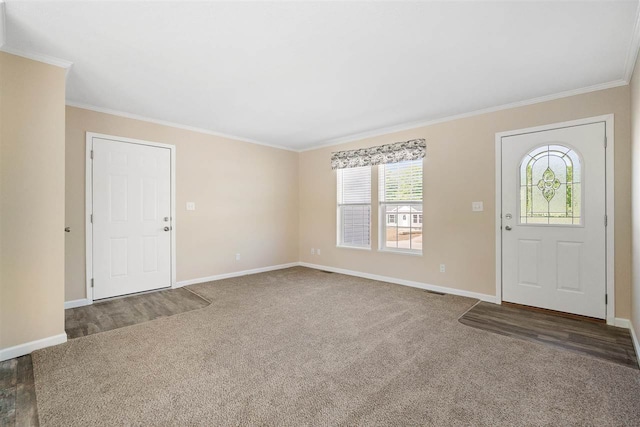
(303, 347)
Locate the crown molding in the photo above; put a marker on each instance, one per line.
(172, 124)
(632, 54)
(366, 134)
(57, 62)
(423, 123)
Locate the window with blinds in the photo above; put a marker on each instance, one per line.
(400, 197)
(354, 207)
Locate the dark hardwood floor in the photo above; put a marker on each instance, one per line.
(587, 337)
(17, 393)
(129, 310)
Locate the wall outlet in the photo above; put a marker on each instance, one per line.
(442, 268)
(313, 251)
(191, 206)
(318, 251)
(477, 206)
(237, 257)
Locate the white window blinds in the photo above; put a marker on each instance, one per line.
(400, 182)
(354, 207)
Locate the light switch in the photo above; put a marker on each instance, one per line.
(191, 206)
(477, 206)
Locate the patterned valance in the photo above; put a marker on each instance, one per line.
(389, 153)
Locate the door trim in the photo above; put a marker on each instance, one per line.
(89, 203)
(608, 119)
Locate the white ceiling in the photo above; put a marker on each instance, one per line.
(305, 74)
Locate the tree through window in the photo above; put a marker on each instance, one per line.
(550, 186)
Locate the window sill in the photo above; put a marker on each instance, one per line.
(400, 252)
(360, 248)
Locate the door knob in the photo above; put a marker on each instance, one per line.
(508, 228)
(67, 229)
(167, 228)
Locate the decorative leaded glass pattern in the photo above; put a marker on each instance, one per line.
(550, 187)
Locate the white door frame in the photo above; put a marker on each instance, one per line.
(609, 209)
(89, 203)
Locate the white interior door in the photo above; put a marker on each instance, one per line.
(131, 218)
(553, 217)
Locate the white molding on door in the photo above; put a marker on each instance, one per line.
(89, 203)
(608, 119)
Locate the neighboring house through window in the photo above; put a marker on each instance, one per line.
(400, 194)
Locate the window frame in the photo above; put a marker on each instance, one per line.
(382, 225)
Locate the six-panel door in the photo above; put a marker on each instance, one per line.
(131, 218)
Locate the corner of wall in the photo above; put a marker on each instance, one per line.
(31, 215)
(635, 201)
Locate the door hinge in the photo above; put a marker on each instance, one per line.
(606, 299)
(91, 218)
(92, 154)
(605, 142)
(92, 282)
(606, 220)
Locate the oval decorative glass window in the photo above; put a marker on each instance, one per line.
(550, 188)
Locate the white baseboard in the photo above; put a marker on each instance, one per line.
(636, 344)
(26, 348)
(621, 323)
(77, 303)
(235, 274)
(426, 286)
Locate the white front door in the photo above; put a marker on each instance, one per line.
(553, 219)
(131, 218)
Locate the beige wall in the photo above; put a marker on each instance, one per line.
(635, 137)
(31, 200)
(246, 199)
(460, 168)
(270, 205)
(278, 188)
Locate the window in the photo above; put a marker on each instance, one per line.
(550, 187)
(354, 207)
(400, 193)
